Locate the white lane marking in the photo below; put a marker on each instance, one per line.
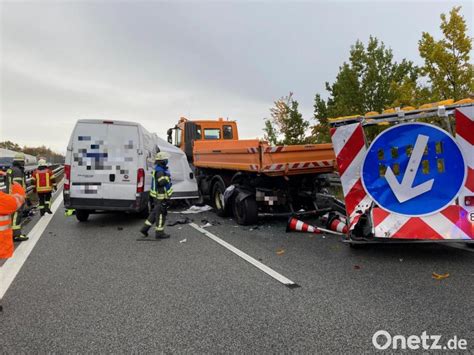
(246, 257)
(12, 266)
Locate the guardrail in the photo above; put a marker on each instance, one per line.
(58, 171)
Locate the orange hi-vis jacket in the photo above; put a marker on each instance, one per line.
(44, 180)
(9, 203)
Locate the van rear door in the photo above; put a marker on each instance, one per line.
(88, 171)
(104, 161)
(123, 144)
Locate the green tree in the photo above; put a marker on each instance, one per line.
(446, 62)
(365, 83)
(270, 133)
(295, 126)
(370, 81)
(320, 131)
(10, 145)
(286, 125)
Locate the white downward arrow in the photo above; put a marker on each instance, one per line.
(405, 190)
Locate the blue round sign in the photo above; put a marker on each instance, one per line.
(414, 169)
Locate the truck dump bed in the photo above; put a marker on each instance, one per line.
(256, 156)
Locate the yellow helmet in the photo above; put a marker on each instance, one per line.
(19, 157)
(161, 156)
(41, 162)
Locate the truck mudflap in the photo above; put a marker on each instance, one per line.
(406, 210)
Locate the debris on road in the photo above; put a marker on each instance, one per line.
(183, 241)
(440, 276)
(253, 228)
(280, 251)
(206, 225)
(184, 220)
(120, 228)
(357, 267)
(213, 222)
(194, 209)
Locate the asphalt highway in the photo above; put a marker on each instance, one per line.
(92, 287)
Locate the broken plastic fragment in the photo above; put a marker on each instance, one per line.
(440, 276)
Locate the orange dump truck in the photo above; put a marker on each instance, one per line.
(249, 178)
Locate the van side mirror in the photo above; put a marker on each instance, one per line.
(170, 135)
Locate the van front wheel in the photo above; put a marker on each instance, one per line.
(218, 199)
(82, 215)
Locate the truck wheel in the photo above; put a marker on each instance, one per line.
(218, 198)
(245, 211)
(82, 215)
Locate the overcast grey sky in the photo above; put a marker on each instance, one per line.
(153, 61)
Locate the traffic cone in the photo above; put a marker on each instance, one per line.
(296, 225)
(334, 223)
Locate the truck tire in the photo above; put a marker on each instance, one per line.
(218, 198)
(245, 211)
(82, 215)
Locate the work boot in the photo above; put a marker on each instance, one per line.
(20, 238)
(161, 235)
(42, 213)
(144, 230)
(49, 211)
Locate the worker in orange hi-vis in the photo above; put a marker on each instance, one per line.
(12, 197)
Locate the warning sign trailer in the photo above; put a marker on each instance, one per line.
(414, 182)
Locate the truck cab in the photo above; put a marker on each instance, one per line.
(186, 132)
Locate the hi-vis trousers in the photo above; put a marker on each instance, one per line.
(44, 202)
(17, 220)
(157, 215)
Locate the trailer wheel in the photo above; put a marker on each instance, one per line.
(82, 215)
(218, 198)
(245, 211)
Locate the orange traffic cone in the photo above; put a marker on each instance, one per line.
(334, 223)
(300, 226)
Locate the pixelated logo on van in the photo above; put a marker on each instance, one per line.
(96, 154)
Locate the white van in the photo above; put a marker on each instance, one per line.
(109, 164)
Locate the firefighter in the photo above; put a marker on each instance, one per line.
(12, 198)
(160, 192)
(44, 185)
(17, 174)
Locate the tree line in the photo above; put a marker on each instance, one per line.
(38, 152)
(371, 81)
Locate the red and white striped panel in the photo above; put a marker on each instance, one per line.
(451, 223)
(252, 150)
(276, 149)
(350, 149)
(312, 164)
(465, 139)
(299, 166)
(274, 167)
(253, 167)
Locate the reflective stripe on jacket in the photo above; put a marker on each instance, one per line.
(9, 203)
(44, 180)
(161, 187)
